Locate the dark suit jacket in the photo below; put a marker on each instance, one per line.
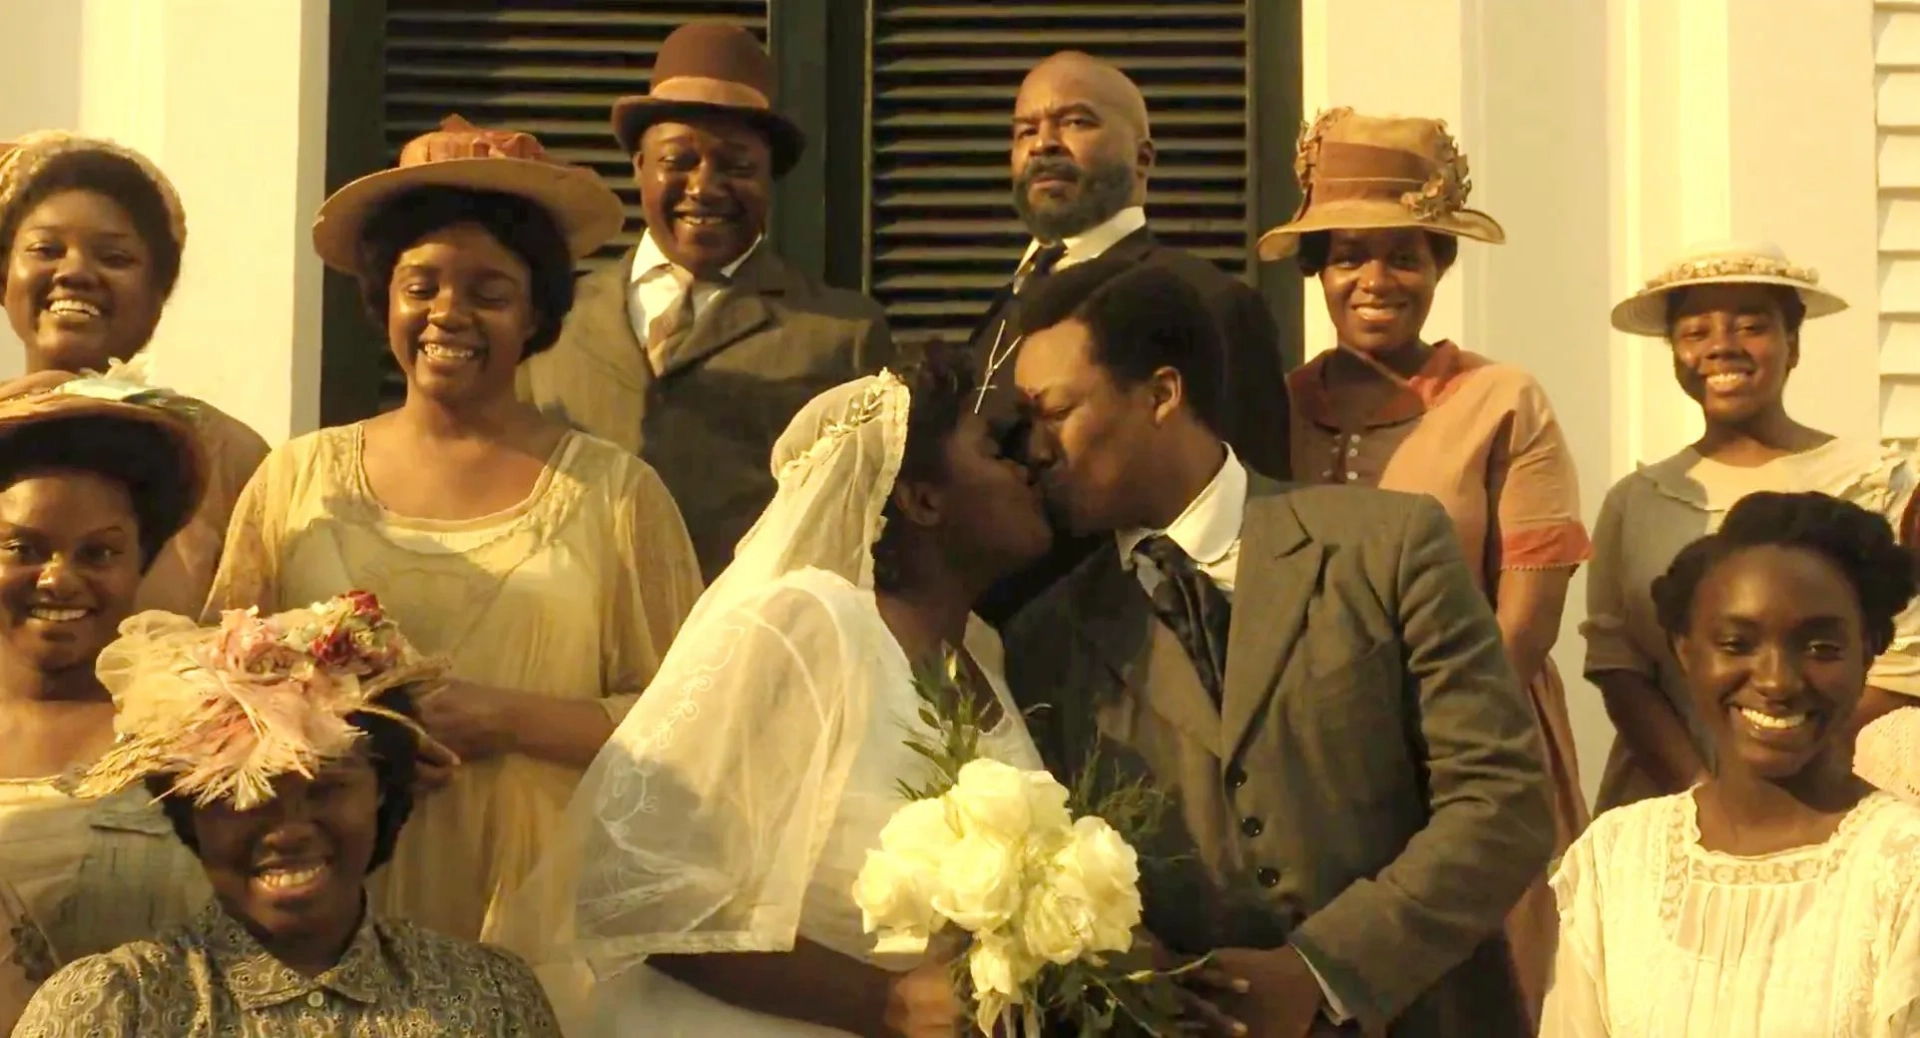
(1254, 398)
(1372, 790)
(759, 351)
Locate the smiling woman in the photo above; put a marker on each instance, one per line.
(550, 566)
(95, 476)
(1775, 898)
(1732, 316)
(92, 235)
(283, 749)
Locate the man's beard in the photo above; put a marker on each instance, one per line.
(1104, 190)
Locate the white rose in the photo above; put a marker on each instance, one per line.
(1008, 802)
(1001, 970)
(1106, 871)
(896, 884)
(895, 898)
(979, 884)
(1056, 919)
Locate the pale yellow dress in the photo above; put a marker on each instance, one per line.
(81, 877)
(574, 593)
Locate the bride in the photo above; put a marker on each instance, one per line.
(702, 881)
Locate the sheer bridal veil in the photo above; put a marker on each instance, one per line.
(699, 825)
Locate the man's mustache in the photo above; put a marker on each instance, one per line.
(1064, 169)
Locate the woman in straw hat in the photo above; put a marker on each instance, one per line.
(282, 750)
(550, 566)
(92, 235)
(96, 475)
(1731, 314)
(1383, 210)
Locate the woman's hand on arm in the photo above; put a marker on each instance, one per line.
(1530, 604)
(479, 721)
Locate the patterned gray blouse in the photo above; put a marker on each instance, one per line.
(211, 979)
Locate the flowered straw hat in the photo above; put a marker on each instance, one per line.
(1363, 172)
(225, 710)
(23, 160)
(460, 154)
(59, 401)
(1722, 263)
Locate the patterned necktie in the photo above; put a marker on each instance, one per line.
(1196, 610)
(667, 332)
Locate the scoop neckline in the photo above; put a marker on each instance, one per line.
(363, 489)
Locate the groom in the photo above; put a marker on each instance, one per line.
(1357, 795)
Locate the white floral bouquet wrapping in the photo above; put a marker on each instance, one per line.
(1044, 900)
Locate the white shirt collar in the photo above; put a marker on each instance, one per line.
(1091, 243)
(648, 258)
(1209, 526)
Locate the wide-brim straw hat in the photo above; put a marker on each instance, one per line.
(1722, 263)
(709, 69)
(462, 155)
(1364, 173)
(60, 400)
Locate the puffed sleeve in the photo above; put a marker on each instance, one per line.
(698, 827)
(1538, 491)
(1576, 997)
(658, 583)
(1609, 644)
(95, 998)
(249, 571)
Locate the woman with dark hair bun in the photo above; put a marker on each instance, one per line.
(551, 567)
(91, 236)
(1780, 897)
(283, 750)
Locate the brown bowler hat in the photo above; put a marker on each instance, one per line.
(460, 154)
(707, 69)
(1363, 173)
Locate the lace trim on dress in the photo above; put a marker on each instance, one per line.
(1688, 862)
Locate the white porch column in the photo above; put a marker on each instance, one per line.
(229, 98)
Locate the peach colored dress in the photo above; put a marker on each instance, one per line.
(574, 593)
(1480, 438)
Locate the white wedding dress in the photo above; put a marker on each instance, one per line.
(644, 1002)
(734, 806)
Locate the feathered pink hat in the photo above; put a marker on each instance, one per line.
(225, 710)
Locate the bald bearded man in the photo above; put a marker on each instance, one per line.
(1082, 155)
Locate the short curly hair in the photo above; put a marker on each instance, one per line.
(524, 227)
(131, 453)
(394, 748)
(112, 176)
(938, 379)
(1859, 543)
(1316, 246)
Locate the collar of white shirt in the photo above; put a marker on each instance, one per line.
(648, 258)
(1209, 527)
(1086, 246)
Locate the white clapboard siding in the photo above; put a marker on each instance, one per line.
(1896, 51)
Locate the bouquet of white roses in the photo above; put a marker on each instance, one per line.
(994, 853)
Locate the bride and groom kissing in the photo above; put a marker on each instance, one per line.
(1309, 673)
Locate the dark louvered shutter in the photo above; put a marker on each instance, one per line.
(942, 234)
(550, 67)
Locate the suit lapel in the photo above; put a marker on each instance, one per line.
(599, 325)
(737, 312)
(1116, 618)
(1278, 578)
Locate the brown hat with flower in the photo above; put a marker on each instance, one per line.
(704, 69)
(1362, 172)
(223, 711)
(462, 155)
(1722, 263)
(169, 483)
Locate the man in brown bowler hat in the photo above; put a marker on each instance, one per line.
(697, 349)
